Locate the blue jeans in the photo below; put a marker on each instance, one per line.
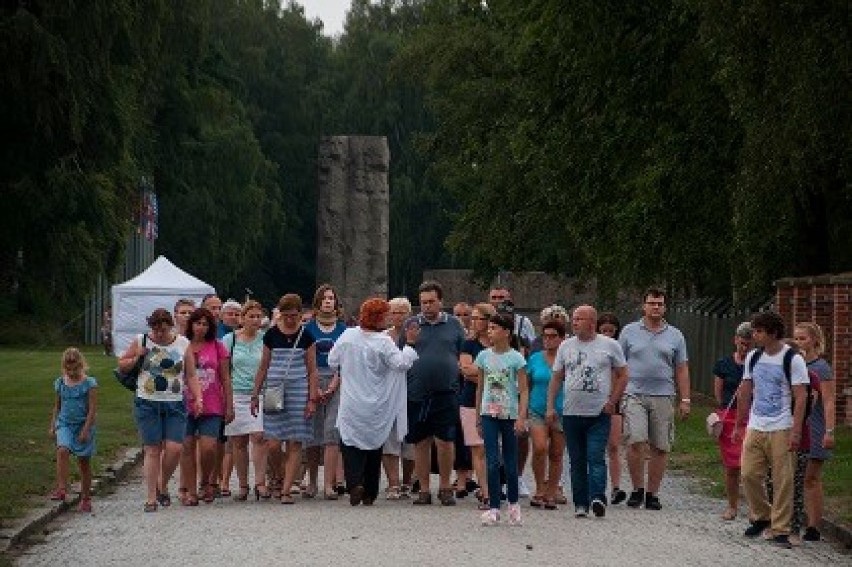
(504, 430)
(586, 439)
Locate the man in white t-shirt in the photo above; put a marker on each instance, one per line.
(774, 388)
(595, 374)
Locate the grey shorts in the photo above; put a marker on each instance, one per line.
(325, 419)
(393, 446)
(649, 419)
(536, 420)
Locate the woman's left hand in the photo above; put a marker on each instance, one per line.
(198, 406)
(229, 415)
(520, 425)
(83, 436)
(310, 408)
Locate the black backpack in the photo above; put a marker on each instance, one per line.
(788, 372)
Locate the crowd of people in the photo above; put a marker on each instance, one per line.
(222, 386)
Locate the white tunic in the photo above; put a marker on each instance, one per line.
(372, 387)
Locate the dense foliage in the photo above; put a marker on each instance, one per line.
(698, 143)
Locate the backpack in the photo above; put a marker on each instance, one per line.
(787, 364)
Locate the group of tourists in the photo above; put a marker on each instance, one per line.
(776, 411)
(221, 386)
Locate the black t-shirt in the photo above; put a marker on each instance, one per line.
(731, 374)
(275, 338)
(467, 394)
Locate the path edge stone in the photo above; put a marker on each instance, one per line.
(15, 537)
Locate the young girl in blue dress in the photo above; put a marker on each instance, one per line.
(73, 425)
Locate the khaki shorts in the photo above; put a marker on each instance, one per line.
(649, 419)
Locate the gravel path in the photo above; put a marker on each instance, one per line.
(315, 532)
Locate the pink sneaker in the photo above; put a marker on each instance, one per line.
(85, 505)
(490, 517)
(58, 495)
(515, 515)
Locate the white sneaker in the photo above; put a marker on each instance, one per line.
(581, 512)
(515, 515)
(523, 489)
(490, 517)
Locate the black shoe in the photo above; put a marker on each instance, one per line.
(782, 540)
(618, 496)
(652, 502)
(598, 508)
(756, 528)
(415, 487)
(471, 486)
(811, 534)
(636, 498)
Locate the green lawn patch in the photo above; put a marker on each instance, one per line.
(28, 459)
(696, 453)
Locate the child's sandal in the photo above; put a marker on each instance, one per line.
(150, 507)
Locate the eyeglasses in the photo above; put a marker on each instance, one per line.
(477, 318)
(499, 297)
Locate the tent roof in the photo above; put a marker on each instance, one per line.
(162, 275)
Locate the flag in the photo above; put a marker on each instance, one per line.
(151, 212)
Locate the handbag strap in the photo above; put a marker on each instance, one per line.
(292, 351)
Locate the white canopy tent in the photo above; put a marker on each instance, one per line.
(161, 285)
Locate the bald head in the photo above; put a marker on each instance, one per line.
(583, 322)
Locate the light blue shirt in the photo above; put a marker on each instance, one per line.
(652, 357)
(539, 374)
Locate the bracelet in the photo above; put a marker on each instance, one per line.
(686, 400)
(829, 431)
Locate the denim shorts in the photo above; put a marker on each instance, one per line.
(204, 425)
(159, 421)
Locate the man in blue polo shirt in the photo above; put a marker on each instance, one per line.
(433, 410)
(657, 366)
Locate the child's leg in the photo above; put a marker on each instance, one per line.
(62, 468)
(492, 460)
(85, 478)
(510, 458)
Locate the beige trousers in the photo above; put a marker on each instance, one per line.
(762, 450)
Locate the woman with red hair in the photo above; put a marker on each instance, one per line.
(372, 396)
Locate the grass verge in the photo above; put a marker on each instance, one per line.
(26, 398)
(696, 453)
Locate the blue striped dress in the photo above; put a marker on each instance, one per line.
(287, 367)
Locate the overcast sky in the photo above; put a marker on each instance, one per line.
(331, 12)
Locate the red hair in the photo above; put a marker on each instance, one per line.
(372, 312)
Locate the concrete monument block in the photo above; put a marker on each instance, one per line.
(352, 217)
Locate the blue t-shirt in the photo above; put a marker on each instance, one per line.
(500, 382)
(539, 373)
(467, 393)
(324, 341)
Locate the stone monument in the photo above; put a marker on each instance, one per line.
(352, 217)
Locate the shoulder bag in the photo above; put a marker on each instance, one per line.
(131, 377)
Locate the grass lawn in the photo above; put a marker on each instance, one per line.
(695, 452)
(28, 459)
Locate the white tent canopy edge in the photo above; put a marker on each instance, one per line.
(161, 285)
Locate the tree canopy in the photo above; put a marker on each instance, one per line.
(695, 143)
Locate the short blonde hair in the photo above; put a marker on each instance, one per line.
(400, 302)
(815, 331)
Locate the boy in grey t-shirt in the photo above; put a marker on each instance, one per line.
(595, 375)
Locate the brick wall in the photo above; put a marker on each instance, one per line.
(824, 300)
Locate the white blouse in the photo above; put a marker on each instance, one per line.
(372, 388)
